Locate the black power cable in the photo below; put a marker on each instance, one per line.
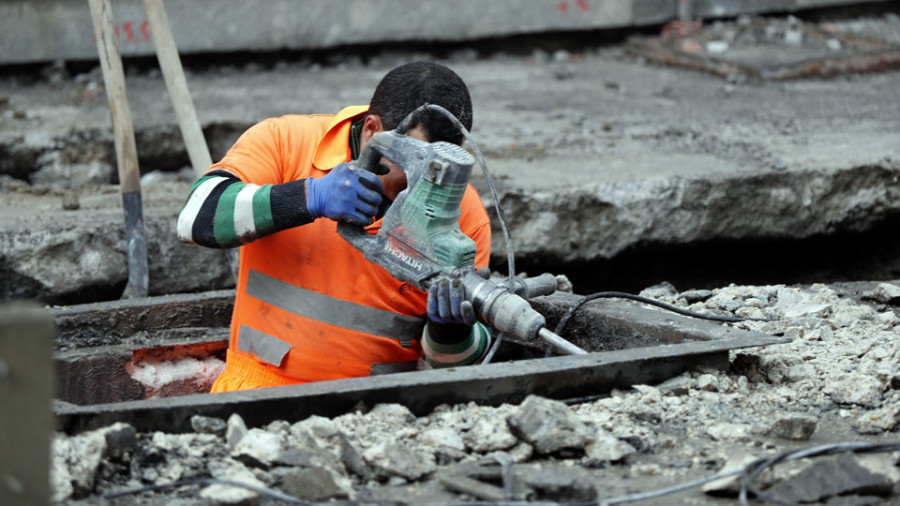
(624, 295)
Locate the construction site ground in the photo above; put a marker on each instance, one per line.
(603, 161)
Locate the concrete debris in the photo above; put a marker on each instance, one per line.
(394, 458)
(208, 425)
(855, 389)
(731, 485)
(79, 458)
(878, 421)
(796, 427)
(888, 293)
(679, 385)
(826, 478)
(607, 448)
(313, 484)
(235, 431)
(549, 426)
(259, 448)
(221, 494)
(834, 376)
(486, 436)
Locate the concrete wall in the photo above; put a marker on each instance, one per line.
(46, 30)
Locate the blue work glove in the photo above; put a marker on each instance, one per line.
(447, 303)
(346, 194)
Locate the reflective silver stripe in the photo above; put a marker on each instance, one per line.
(393, 367)
(266, 347)
(339, 313)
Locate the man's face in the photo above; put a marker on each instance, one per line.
(394, 181)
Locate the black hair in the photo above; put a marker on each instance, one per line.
(411, 85)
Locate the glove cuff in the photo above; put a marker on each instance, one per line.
(447, 333)
(469, 350)
(289, 207)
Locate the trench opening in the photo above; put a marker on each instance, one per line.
(872, 255)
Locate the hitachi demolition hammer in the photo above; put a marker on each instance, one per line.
(420, 241)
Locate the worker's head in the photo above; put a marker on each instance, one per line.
(412, 85)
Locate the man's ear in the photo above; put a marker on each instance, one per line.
(371, 126)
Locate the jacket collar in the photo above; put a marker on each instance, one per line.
(334, 147)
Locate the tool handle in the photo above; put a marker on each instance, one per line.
(528, 288)
(114, 79)
(173, 73)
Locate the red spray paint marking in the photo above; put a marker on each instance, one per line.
(131, 36)
(581, 5)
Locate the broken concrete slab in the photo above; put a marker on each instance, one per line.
(613, 159)
(774, 49)
(61, 29)
(831, 477)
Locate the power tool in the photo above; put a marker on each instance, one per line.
(420, 241)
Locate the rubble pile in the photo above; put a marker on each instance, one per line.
(837, 381)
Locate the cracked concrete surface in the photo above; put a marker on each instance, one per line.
(598, 157)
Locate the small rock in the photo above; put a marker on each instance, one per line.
(662, 290)
(708, 383)
(729, 431)
(679, 385)
(855, 388)
(258, 448)
(608, 448)
(885, 419)
(793, 304)
(235, 431)
(208, 425)
(229, 495)
(649, 394)
(70, 201)
(352, 458)
(887, 293)
(393, 458)
(486, 436)
(313, 484)
(731, 485)
(443, 437)
(694, 296)
(549, 425)
(796, 427)
(831, 477)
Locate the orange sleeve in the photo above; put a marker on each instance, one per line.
(257, 156)
(474, 222)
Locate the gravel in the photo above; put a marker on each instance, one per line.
(836, 381)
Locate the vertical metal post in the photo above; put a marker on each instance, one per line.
(26, 393)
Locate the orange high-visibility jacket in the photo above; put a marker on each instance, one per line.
(309, 306)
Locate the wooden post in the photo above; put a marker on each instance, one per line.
(176, 83)
(26, 403)
(173, 73)
(126, 149)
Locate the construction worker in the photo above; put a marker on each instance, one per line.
(309, 306)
